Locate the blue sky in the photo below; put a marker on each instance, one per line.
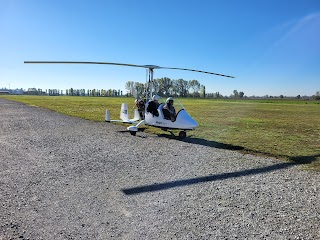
(272, 47)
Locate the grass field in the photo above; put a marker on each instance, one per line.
(286, 129)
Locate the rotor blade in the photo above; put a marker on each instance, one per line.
(77, 62)
(192, 70)
(126, 64)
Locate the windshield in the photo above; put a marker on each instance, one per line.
(176, 103)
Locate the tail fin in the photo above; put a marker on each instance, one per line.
(107, 115)
(124, 114)
(136, 116)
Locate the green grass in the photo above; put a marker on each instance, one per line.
(286, 129)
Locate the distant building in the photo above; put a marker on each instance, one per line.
(11, 91)
(4, 92)
(17, 91)
(34, 91)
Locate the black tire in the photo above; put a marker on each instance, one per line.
(133, 133)
(182, 134)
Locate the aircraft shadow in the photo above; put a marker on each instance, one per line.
(214, 144)
(127, 131)
(210, 178)
(204, 142)
(304, 159)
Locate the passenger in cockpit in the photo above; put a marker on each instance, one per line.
(169, 112)
(153, 105)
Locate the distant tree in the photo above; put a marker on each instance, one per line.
(218, 95)
(183, 87)
(156, 86)
(241, 94)
(165, 86)
(129, 86)
(317, 97)
(175, 88)
(139, 89)
(202, 91)
(235, 94)
(281, 96)
(195, 86)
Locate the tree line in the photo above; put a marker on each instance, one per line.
(94, 92)
(162, 86)
(168, 87)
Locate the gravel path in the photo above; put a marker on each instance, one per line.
(67, 178)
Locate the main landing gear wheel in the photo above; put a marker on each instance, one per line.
(133, 133)
(182, 134)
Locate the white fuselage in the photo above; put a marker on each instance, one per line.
(183, 120)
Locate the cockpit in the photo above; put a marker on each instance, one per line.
(163, 110)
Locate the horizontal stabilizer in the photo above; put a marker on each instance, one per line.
(129, 121)
(124, 115)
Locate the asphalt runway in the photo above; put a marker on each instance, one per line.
(67, 178)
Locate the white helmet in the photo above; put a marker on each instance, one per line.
(155, 98)
(169, 99)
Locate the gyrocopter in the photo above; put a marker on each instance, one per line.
(150, 111)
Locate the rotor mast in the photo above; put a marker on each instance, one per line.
(150, 82)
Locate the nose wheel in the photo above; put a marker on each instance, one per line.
(133, 133)
(182, 134)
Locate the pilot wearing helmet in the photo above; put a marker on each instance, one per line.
(169, 111)
(153, 105)
(140, 103)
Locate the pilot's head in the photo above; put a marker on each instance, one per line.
(170, 100)
(155, 98)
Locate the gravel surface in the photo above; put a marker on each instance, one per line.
(67, 178)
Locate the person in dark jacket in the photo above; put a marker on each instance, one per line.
(153, 105)
(140, 103)
(169, 112)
